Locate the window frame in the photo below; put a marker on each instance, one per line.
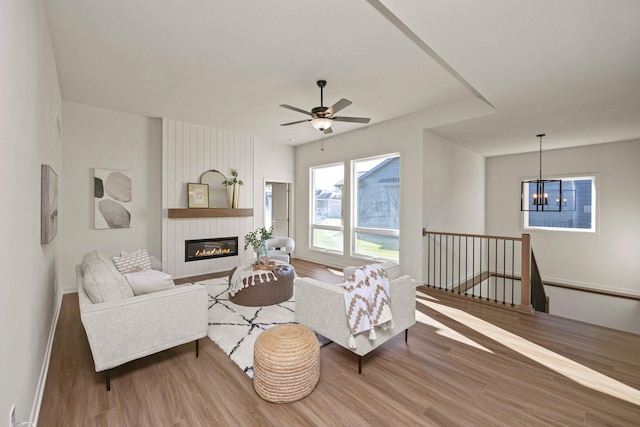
(348, 211)
(312, 211)
(594, 207)
(354, 228)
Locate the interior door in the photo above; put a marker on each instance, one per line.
(280, 209)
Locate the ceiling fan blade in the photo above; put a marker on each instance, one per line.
(328, 131)
(343, 103)
(295, 109)
(352, 119)
(294, 123)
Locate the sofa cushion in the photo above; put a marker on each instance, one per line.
(146, 282)
(133, 262)
(102, 281)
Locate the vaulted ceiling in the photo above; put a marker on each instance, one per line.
(488, 75)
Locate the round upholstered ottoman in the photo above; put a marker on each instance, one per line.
(286, 363)
(262, 293)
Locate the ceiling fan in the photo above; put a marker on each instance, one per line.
(322, 117)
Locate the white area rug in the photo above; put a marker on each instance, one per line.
(234, 328)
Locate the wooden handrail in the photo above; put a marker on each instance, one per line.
(592, 290)
(482, 236)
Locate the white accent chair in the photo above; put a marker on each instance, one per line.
(320, 306)
(124, 327)
(280, 248)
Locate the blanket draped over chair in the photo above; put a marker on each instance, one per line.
(367, 301)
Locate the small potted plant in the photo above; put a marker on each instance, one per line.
(256, 239)
(235, 182)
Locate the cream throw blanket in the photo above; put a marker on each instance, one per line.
(367, 301)
(253, 277)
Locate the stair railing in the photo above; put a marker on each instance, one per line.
(487, 268)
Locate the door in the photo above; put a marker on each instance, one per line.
(280, 208)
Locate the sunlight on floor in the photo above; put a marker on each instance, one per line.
(560, 364)
(447, 332)
(429, 297)
(444, 330)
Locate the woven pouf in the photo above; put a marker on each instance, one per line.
(286, 363)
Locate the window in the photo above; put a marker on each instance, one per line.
(373, 231)
(376, 207)
(576, 207)
(326, 207)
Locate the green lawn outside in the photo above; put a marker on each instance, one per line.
(333, 240)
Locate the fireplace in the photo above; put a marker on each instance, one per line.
(218, 247)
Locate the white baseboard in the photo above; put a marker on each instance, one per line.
(35, 409)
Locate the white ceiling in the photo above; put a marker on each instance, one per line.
(570, 68)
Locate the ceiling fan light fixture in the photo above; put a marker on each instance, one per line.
(323, 117)
(321, 123)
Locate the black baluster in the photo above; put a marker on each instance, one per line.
(466, 262)
(504, 270)
(513, 251)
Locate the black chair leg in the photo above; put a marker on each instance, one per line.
(406, 335)
(197, 348)
(107, 379)
(359, 364)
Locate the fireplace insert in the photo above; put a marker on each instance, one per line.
(210, 248)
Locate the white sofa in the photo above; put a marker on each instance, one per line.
(126, 327)
(320, 306)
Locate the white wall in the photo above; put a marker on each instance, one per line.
(274, 162)
(453, 187)
(29, 104)
(607, 259)
(99, 138)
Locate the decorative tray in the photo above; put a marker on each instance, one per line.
(268, 266)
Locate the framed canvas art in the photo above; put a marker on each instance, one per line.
(113, 198)
(48, 204)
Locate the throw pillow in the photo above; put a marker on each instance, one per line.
(146, 282)
(101, 280)
(135, 261)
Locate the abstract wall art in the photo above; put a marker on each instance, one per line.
(48, 204)
(113, 198)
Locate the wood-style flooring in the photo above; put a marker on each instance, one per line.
(465, 364)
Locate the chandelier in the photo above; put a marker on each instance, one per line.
(535, 193)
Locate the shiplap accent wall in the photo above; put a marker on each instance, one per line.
(188, 150)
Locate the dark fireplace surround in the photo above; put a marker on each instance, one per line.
(217, 247)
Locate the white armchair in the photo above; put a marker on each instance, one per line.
(320, 306)
(280, 248)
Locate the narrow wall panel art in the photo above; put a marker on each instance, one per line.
(48, 204)
(113, 198)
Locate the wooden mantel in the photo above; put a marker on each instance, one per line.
(208, 213)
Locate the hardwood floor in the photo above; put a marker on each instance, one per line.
(465, 364)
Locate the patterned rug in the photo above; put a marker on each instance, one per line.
(234, 328)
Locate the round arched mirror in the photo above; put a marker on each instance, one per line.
(217, 190)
